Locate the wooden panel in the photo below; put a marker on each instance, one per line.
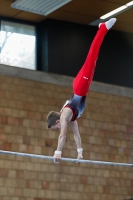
(83, 13)
(86, 7)
(8, 0)
(124, 22)
(30, 16)
(6, 10)
(78, 11)
(72, 17)
(121, 2)
(126, 17)
(120, 26)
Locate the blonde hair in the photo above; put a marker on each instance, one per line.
(52, 117)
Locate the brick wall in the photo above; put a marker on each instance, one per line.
(106, 129)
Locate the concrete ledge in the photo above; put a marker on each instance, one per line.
(62, 80)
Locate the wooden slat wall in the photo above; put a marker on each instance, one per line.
(82, 12)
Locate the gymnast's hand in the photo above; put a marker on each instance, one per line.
(80, 156)
(57, 156)
(80, 152)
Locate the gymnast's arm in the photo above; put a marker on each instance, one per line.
(77, 138)
(65, 118)
(62, 136)
(75, 130)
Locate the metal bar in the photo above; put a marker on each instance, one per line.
(66, 159)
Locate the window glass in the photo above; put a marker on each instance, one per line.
(17, 45)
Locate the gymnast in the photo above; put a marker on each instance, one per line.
(74, 107)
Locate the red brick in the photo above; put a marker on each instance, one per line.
(83, 179)
(106, 189)
(19, 122)
(19, 174)
(11, 120)
(4, 120)
(42, 199)
(1, 145)
(30, 149)
(7, 146)
(2, 93)
(18, 192)
(30, 184)
(15, 121)
(1, 111)
(26, 140)
(43, 116)
(4, 173)
(130, 129)
(3, 137)
(48, 142)
(1, 128)
(33, 123)
(45, 185)
(132, 183)
(111, 157)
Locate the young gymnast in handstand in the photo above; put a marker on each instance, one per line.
(74, 107)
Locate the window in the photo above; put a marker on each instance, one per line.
(17, 45)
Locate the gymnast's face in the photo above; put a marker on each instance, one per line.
(56, 126)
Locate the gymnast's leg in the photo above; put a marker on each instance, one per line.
(84, 77)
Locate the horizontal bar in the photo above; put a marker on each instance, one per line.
(66, 159)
